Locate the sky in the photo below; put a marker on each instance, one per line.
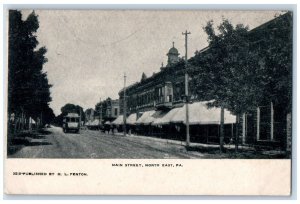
(90, 50)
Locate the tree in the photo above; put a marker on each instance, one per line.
(226, 75)
(28, 87)
(242, 69)
(237, 84)
(48, 115)
(102, 107)
(144, 77)
(71, 108)
(233, 70)
(274, 49)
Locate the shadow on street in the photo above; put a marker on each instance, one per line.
(26, 138)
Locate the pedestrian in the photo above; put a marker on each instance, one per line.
(111, 129)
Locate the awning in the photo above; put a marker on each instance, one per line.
(107, 123)
(146, 118)
(199, 113)
(131, 120)
(165, 118)
(95, 123)
(118, 121)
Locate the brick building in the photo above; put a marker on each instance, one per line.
(155, 104)
(109, 109)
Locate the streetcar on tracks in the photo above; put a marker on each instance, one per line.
(71, 122)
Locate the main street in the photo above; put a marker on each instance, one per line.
(53, 143)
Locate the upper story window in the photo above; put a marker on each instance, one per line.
(178, 91)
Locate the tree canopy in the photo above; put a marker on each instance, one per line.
(28, 87)
(69, 108)
(243, 69)
(102, 106)
(274, 49)
(72, 108)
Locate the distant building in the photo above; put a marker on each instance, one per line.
(109, 110)
(114, 109)
(89, 114)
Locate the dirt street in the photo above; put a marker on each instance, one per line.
(93, 144)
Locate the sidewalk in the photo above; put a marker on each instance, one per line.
(26, 138)
(213, 150)
(192, 144)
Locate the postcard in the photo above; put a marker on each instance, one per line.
(149, 102)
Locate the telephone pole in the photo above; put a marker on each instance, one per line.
(124, 104)
(100, 114)
(186, 92)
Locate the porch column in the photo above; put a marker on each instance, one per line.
(257, 123)
(231, 130)
(289, 132)
(244, 129)
(272, 122)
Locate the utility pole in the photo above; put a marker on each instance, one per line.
(100, 114)
(187, 92)
(100, 117)
(124, 104)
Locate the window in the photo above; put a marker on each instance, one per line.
(161, 94)
(178, 91)
(116, 111)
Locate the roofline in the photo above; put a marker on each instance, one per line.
(207, 47)
(268, 22)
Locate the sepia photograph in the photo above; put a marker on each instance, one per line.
(149, 84)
